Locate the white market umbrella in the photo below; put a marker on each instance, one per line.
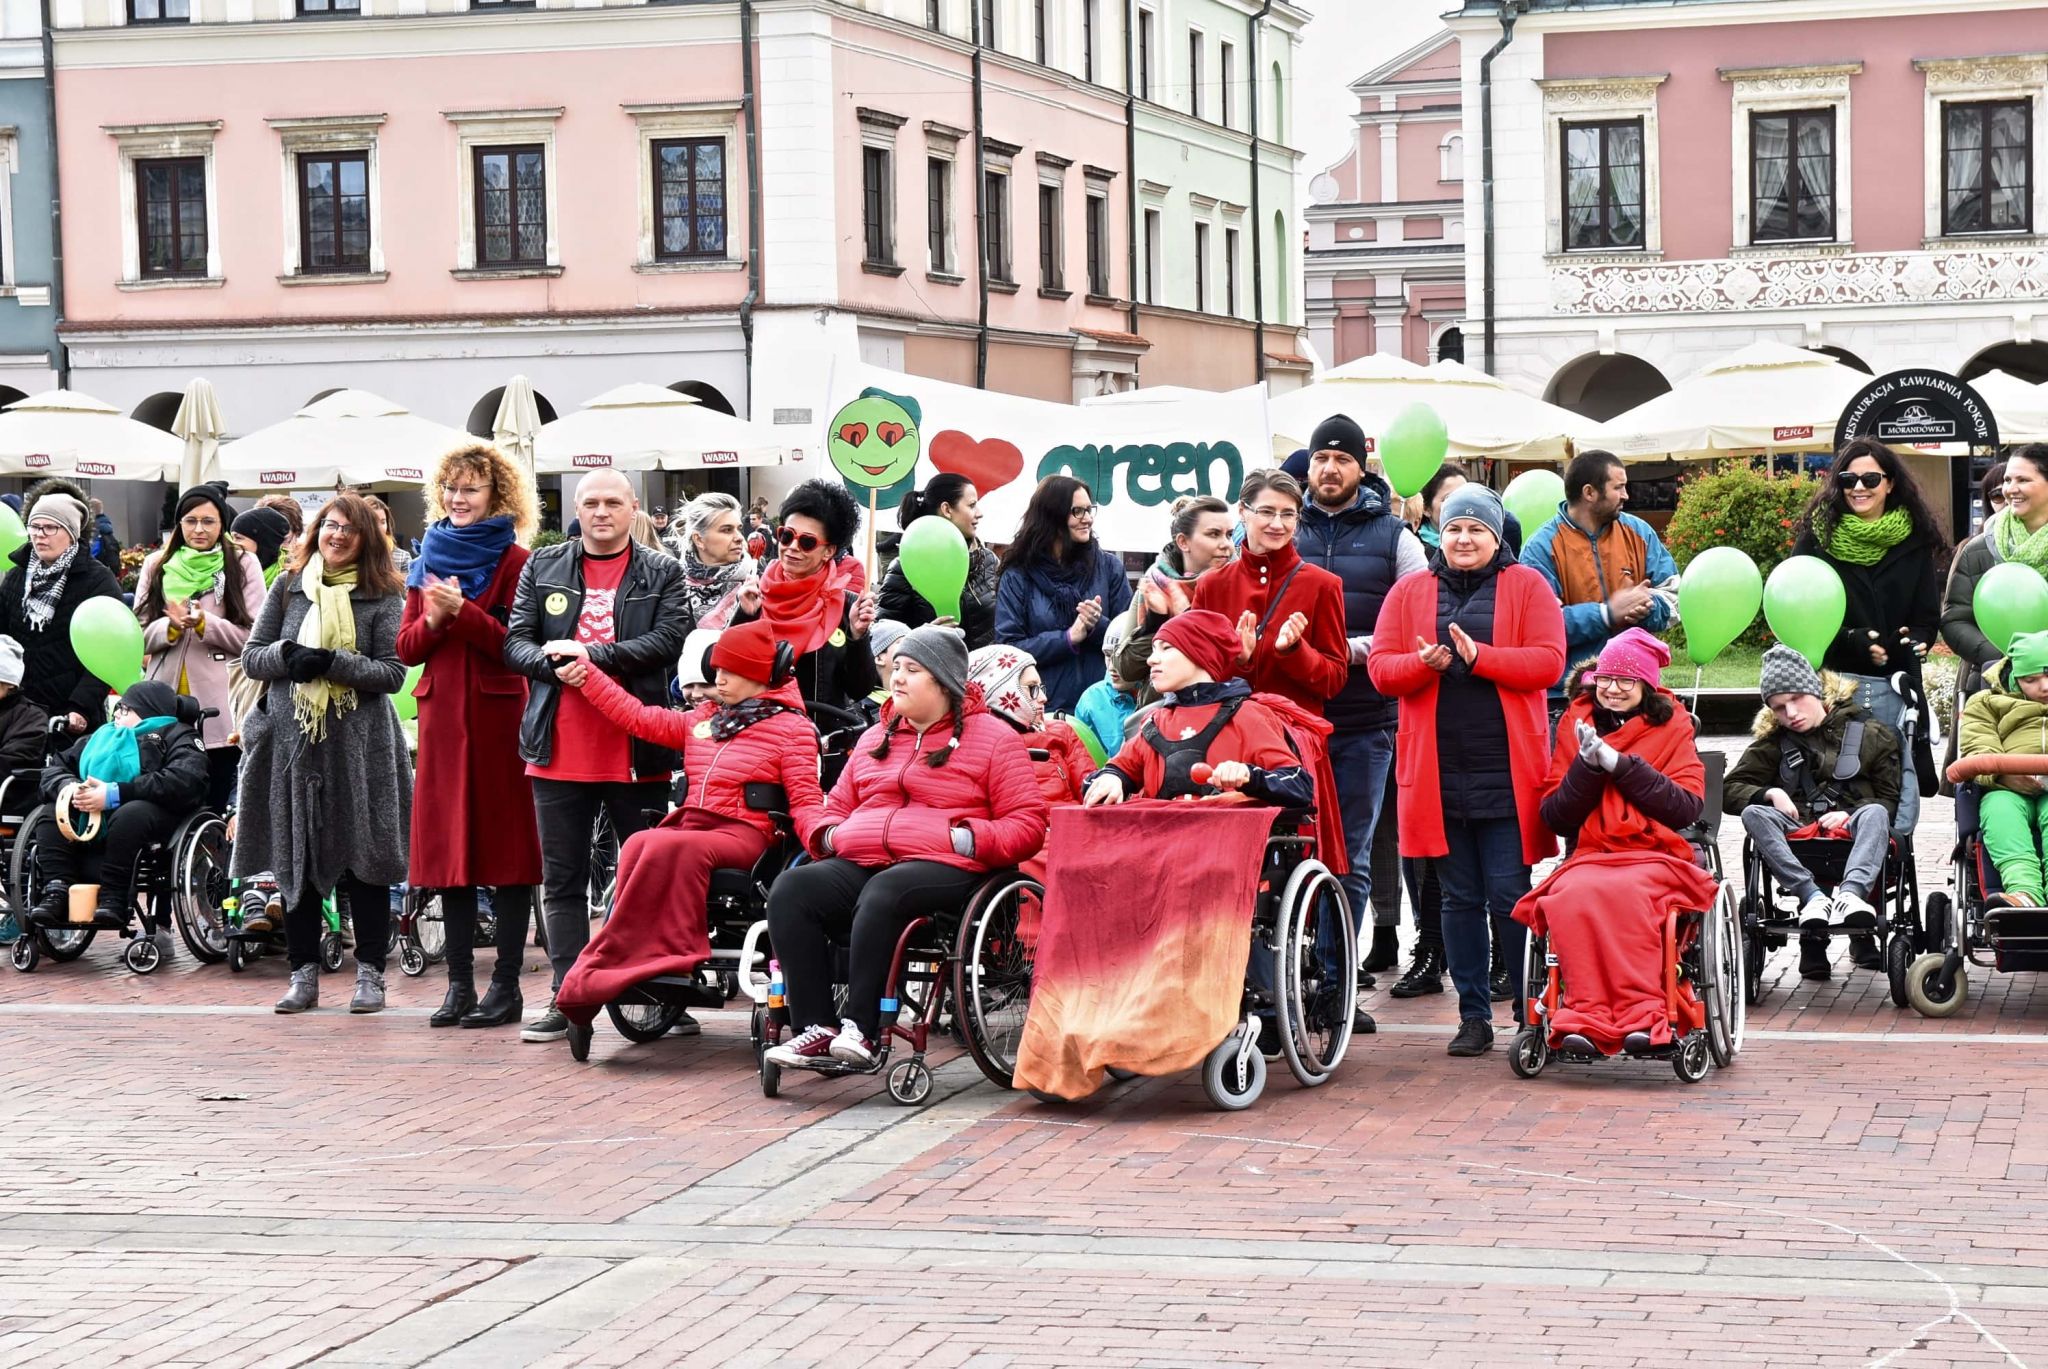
(351, 437)
(1483, 417)
(199, 426)
(643, 427)
(63, 432)
(518, 422)
(1766, 397)
(2021, 408)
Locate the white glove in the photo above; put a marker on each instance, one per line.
(1360, 647)
(1595, 752)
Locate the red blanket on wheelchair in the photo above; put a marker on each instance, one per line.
(1147, 928)
(1604, 912)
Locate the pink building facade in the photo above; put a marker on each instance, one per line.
(1385, 266)
(1674, 182)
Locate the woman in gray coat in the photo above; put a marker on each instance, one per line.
(326, 788)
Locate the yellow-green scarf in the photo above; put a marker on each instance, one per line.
(329, 624)
(1864, 541)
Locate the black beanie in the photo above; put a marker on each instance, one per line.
(150, 699)
(216, 495)
(267, 528)
(1339, 433)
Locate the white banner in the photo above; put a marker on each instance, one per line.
(890, 431)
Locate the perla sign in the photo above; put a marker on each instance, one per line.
(1918, 406)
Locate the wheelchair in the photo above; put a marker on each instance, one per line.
(1965, 926)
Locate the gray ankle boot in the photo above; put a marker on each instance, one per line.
(369, 990)
(304, 992)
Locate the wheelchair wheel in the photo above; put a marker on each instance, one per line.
(26, 955)
(1898, 962)
(21, 862)
(330, 952)
(1234, 1074)
(992, 974)
(238, 955)
(64, 944)
(1722, 953)
(1753, 952)
(430, 928)
(604, 866)
(910, 1083)
(1120, 1076)
(203, 889)
(1694, 1058)
(1528, 1053)
(410, 958)
(643, 1022)
(771, 1078)
(1923, 987)
(1315, 1017)
(142, 955)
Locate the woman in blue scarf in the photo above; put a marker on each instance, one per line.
(122, 788)
(472, 812)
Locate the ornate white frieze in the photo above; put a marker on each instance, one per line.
(1800, 282)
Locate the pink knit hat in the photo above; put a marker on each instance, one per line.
(1635, 655)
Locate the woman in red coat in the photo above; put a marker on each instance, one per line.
(1289, 614)
(936, 794)
(472, 812)
(753, 731)
(1470, 647)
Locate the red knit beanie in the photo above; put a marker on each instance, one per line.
(1207, 639)
(747, 651)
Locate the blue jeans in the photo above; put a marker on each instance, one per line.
(1484, 867)
(1361, 761)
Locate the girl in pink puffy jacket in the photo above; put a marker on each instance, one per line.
(937, 794)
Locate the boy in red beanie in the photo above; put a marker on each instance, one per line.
(752, 731)
(1206, 718)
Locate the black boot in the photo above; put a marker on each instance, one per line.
(1498, 986)
(501, 1005)
(113, 913)
(460, 1001)
(54, 908)
(1813, 958)
(1386, 950)
(1425, 974)
(1864, 953)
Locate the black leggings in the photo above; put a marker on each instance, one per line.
(223, 766)
(814, 907)
(110, 858)
(513, 906)
(369, 909)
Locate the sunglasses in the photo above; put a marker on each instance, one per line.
(1867, 480)
(802, 541)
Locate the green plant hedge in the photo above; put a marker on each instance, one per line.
(1743, 506)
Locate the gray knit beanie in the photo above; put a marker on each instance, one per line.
(1787, 672)
(1474, 500)
(942, 651)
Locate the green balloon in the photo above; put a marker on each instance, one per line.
(2010, 599)
(1412, 448)
(408, 706)
(1718, 597)
(12, 534)
(1532, 497)
(934, 559)
(108, 641)
(1804, 603)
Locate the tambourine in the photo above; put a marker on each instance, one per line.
(75, 825)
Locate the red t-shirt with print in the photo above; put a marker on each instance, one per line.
(587, 747)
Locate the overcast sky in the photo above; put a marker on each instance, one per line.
(1346, 39)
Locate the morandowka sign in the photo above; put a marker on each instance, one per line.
(1918, 406)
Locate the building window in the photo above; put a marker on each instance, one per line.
(511, 206)
(1195, 72)
(159, 11)
(1792, 176)
(330, 6)
(986, 9)
(1145, 26)
(1201, 268)
(1098, 245)
(931, 15)
(1088, 40)
(1038, 48)
(1987, 156)
(1151, 256)
(995, 213)
(170, 198)
(689, 198)
(334, 212)
(1603, 185)
(1230, 240)
(877, 206)
(1226, 73)
(1450, 158)
(1052, 273)
(938, 211)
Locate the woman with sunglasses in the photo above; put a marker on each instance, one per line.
(1289, 614)
(808, 596)
(1871, 523)
(1059, 588)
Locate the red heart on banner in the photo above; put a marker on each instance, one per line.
(991, 463)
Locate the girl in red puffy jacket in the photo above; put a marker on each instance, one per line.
(938, 793)
(753, 732)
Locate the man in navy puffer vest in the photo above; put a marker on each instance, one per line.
(1350, 527)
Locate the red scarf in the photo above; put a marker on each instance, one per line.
(1617, 824)
(805, 612)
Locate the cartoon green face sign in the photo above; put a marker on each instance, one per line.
(874, 440)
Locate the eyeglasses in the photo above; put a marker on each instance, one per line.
(330, 528)
(1084, 512)
(45, 529)
(1868, 480)
(802, 541)
(1274, 515)
(1036, 691)
(1616, 683)
(466, 491)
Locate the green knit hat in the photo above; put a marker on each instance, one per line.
(2029, 655)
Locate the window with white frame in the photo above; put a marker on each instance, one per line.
(1052, 224)
(685, 185)
(1195, 64)
(998, 238)
(10, 166)
(1984, 120)
(1201, 267)
(1226, 84)
(507, 192)
(1601, 174)
(938, 215)
(878, 187)
(1148, 26)
(333, 229)
(1152, 263)
(170, 204)
(1791, 143)
(1231, 238)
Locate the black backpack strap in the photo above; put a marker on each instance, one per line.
(1849, 762)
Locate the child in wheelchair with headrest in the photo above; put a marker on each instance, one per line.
(114, 794)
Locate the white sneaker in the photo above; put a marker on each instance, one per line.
(1815, 914)
(805, 1051)
(850, 1047)
(1853, 911)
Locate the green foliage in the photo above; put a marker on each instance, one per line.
(547, 537)
(1737, 504)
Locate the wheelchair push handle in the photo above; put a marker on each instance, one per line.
(1970, 767)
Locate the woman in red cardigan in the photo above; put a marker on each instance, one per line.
(1470, 647)
(1289, 614)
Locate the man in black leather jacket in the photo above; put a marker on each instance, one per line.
(626, 608)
